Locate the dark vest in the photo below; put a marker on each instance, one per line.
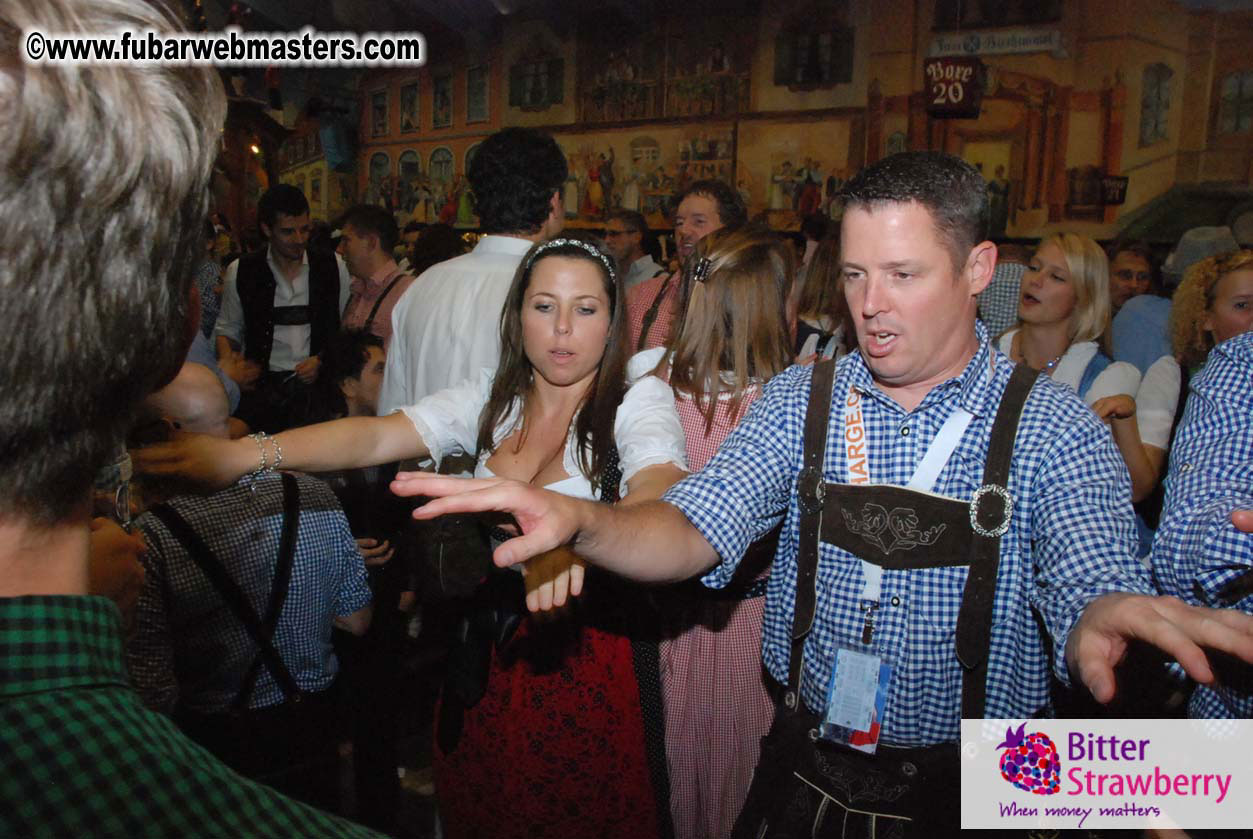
(256, 285)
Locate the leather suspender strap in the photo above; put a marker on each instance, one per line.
(278, 596)
(369, 321)
(651, 314)
(990, 513)
(810, 488)
(261, 631)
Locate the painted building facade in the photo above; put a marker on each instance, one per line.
(1089, 110)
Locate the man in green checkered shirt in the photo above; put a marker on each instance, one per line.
(103, 182)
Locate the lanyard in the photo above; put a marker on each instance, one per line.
(857, 453)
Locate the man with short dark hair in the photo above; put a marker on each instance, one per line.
(447, 327)
(279, 306)
(700, 209)
(1132, 272)
(366, 244)
(94, 297)
(955, 530)
(624, 239)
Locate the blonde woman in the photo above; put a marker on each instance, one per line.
(732, 338)
(1063, 313)
(1213, 303)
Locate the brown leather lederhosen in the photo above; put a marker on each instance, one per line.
(807, 785)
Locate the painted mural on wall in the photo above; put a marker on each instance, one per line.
(992, 159)
(707, 67)
(641, 169)
(788, 170)
(619, 80)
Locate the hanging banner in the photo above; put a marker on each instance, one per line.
(954, 87)
(998, 42)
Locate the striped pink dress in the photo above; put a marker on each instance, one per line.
(717, 707)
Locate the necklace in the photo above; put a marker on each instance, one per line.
(1047, 369)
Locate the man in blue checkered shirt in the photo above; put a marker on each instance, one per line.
(914, 262)
(193, 657)
(1200, 553)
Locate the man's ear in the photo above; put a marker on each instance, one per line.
(980, 265)
(265, 228)
(349, 386)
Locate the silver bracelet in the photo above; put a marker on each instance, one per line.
(278, 454)
(259, 438)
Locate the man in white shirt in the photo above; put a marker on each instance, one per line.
(446, 327)
(279, 307)
(624, 239)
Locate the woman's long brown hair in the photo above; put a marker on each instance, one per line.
(734, 321)
(515, 376)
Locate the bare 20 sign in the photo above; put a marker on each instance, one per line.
(954, 86)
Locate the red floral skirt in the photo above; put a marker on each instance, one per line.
(556, 746)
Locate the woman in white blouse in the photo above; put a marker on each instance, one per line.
(553, 415)
(1063, 312)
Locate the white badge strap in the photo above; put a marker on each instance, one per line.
(940, 450)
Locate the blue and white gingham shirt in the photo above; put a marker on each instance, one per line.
(1197, 549)
(189, 646)
(1071, 539)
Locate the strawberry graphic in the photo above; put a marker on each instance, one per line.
(1030, 761)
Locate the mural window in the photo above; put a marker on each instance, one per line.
(470, 153)
(441, 101)
(1154, 103)
(960, 14)
(408, 179)
(441, 165)
(378, 113)
(378, 189)
(806, 58)
(536, 83)
(1235, 110)
(476, 94)
(409, 108)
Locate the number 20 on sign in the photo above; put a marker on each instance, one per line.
(954, 86)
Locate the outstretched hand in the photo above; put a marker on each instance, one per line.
(548, 520)
(1098, 641)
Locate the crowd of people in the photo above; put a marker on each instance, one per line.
(679, 516)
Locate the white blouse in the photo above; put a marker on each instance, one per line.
(1119, 377)
(1156, 401)
(646, 428)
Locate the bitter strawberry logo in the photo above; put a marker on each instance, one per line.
(1030, 762)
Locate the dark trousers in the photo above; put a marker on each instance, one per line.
(291, 747)
(372, 697)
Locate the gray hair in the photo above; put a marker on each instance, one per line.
(104, 171)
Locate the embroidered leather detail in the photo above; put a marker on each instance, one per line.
(891, 531)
